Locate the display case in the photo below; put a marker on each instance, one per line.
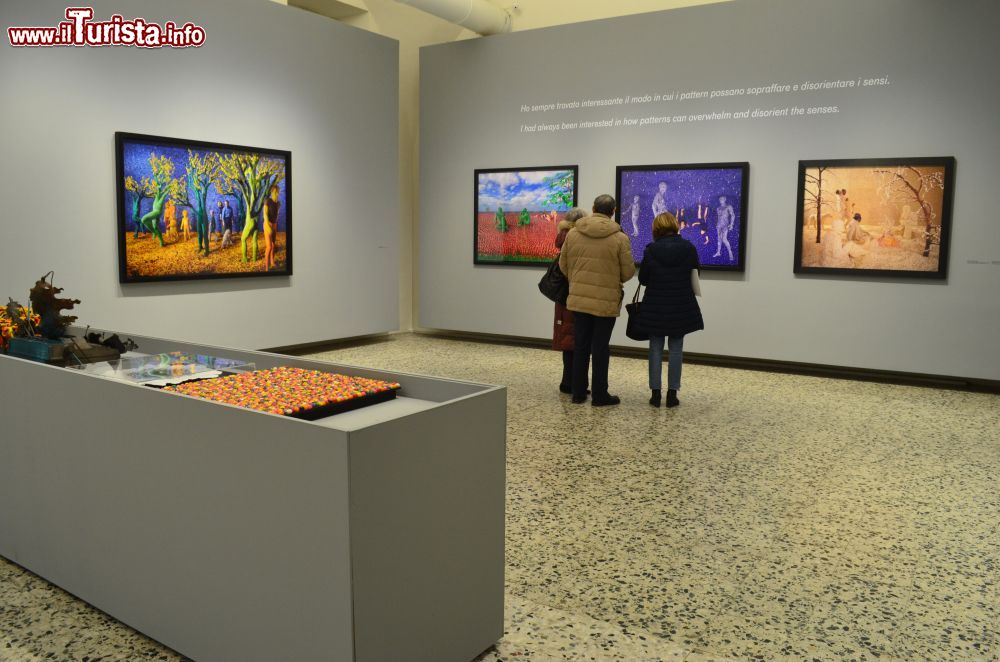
(164, 369)
(233, 534)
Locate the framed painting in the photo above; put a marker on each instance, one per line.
(517, 213)
(193, 210)
(709, 201)
(874, 217)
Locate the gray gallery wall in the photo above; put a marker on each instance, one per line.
(941, 100)
(267, 76)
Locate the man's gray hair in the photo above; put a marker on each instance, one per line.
(605, 204)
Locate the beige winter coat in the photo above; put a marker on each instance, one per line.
(597, 259)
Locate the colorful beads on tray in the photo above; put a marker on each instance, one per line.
(284, 391)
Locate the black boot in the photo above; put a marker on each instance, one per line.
(609, 401)
(672, 400)
(655, 400)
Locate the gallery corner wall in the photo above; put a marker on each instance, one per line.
(267, 76)
(933, 67)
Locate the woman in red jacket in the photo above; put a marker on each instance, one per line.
(562, 328)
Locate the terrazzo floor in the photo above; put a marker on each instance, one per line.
(768, 517)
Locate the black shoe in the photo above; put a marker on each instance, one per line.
(672, 400)
(606, 402)
(579, 401)
(655, 399)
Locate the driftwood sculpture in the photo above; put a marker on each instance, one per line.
(48, 306)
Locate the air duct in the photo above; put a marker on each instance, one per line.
(477, 15)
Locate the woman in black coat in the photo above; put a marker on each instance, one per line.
(669, 308)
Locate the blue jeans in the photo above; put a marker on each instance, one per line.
(675, 347)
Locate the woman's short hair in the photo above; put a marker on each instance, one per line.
(665, 224)
(575, 214)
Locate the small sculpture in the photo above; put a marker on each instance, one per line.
(49, 308)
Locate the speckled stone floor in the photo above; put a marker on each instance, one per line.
(768, 517)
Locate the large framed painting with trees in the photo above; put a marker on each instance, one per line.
(190, 210)
(517, 213)
(709, 201)
(875, 217)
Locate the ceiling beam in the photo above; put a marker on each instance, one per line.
(336, 9)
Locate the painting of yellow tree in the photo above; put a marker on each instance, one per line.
(194, 210)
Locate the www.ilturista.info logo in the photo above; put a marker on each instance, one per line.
(80, 30)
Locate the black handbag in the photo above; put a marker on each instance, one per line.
(632, 329)
(554, 284)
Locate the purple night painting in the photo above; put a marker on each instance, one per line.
(709, 201)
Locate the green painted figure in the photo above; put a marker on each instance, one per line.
(151, 221)
(501, 220)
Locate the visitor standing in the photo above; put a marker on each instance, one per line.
(562, 328)
(597, 259)
(669, 309)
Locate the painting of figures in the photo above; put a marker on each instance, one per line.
(874, 216)
(709, 201)
(195, 210)
(517, 213)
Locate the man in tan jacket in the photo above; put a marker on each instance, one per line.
(597, 260)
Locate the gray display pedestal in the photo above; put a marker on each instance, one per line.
(228, 534)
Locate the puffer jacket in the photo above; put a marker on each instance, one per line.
(669, 307)
(597, 259)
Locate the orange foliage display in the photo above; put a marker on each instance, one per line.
(147, 259)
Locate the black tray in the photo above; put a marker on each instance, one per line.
(334, 408)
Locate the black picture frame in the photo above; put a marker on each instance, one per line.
(122, 142)
(477, 259)
(742, 168)
(940, 236)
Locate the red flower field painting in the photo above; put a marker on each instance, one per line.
(534, 242)
(518, 213)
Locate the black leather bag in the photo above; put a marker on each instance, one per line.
(632, 329)
(554, 284)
